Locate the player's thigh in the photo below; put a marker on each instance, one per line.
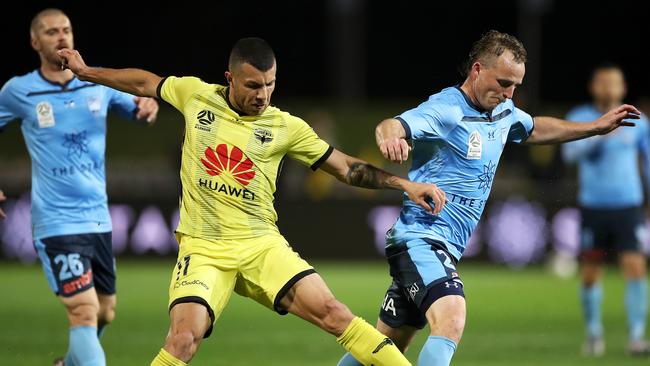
(399, 317)
(204, 274)
(633, 264)
(425, 274)
(271, 271)
(82, 308)
(446, 317)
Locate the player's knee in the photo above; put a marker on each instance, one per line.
(448, 318)
(83, 314)
(182, 344)
(106, 312)
(589, 279)
(336, 317)
(106, 315)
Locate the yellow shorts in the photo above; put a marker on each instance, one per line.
(263, 269)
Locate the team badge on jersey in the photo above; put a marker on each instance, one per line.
(263, 135)
(94, 105)
(474, 146)
(45, 114)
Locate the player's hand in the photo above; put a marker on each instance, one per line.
(71, 59)
(2, 198)
(395, 149)
(424, 194)
(617, 117)
(147, 109)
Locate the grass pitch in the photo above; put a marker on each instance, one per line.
(526, 317)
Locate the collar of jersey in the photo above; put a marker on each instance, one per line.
(62, 86)
(470, 102)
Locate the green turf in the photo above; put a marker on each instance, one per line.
(514, 318)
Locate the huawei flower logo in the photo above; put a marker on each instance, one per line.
(234, 161)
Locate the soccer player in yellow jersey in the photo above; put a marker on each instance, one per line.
(228, 240)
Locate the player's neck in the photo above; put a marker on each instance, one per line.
(605, 107)
(54, 73)
(232, 104)
(469, 93)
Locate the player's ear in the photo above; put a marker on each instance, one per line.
(477, 67)
(34, 43)
(228, 75)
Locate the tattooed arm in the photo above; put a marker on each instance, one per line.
(359, 173)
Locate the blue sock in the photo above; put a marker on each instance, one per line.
(348, 360)
(636, 304)
(592, 298)
(84, 348)
(437, 351)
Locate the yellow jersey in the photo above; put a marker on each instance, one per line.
(230, 163)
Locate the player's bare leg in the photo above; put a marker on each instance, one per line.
(633, 265)
(82, 310)
(402, 336)
(312, 300)
(591, 298)
(446, 318)
(106, 313)
(189, 322)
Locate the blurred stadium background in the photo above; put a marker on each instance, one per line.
(343, 66)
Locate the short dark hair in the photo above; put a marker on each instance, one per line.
(36, 20)
(254, 51)
(491, 45)
(605, 65)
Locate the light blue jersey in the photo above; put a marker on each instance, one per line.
(64, 127)
(608, 166)
(457, 147)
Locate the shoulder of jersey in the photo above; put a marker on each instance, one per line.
(20, 81)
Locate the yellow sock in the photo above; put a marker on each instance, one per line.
(165, 358)
(370, 347)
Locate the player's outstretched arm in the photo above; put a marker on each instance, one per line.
(391, 140)
(550, 130)
(133, 81)
(359, 173)
(2, 198)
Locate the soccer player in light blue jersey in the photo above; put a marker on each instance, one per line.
(457, 138)
(63, 121)
(610, 199)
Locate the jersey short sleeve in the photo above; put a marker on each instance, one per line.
(7, 104)
(178, 90)
(426, 121)
(122, 103)
(304, 144)
(521, 127)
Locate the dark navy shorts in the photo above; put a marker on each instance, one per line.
(75, 263)
(421, 274)
(609, 231)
